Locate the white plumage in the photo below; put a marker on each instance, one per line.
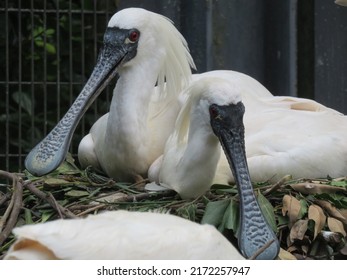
(295, 136)
(121, 235)
(124, 142)
(283, 135)
(192, 151)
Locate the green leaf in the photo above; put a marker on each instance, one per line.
(268, 211)
(214, 212)
(303, 208)
(46, 215)
(282, 220)
(67, 167)
(339, 200)
(188, 212)
(70, 160)
(339, 183)
(49, 32)
(38, 31)
(39, 42)
(23, 99)
(57, 182)
(77, 193)
(28, 216)
(231, 217)
(50, 48)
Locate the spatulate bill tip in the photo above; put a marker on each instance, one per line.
(39, 165)
(260, 249)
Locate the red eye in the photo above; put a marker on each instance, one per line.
(134, 36)
(213, 112)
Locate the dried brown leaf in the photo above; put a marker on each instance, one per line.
(336, 226)
(316, 214)
(311, 188)
(344, 213)
(285, 255)
(298, 230)
(291, 207)
(332, 210)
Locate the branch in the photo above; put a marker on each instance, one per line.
(262, 249)
(12, 212)
(4, 198)
(50, 199)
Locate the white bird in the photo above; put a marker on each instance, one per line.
(145, 49)
(192, 152)
(212, 117)
(283, 136)
(115, 235)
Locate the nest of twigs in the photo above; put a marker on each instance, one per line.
(309, 216)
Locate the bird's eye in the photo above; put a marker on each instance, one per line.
(214, 112)
(134, 36)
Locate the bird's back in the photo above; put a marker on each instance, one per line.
(122, 235)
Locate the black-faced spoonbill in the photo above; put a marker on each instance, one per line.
(145, 49)
(212, 116)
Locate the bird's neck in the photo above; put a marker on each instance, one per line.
(127, 121)
(203, 147)
(201, 140)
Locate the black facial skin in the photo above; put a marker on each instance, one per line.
(119, 46)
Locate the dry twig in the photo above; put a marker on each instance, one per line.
(11, 214)
(60, 209)
(262, 249)
(4, 198)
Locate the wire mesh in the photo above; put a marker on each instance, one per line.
(48, 49)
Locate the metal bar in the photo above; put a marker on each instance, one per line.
(7, 90)
(70, 60)
(209, 35)
(293, 48)
(82, 56)
(58, 83)
(39, 83)
(49, 11)
(20, 87)
(193, 17)
(32, 47)
(108, 89)
(45, 99)
(280, 47)
(95, 33)
(305, 53)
